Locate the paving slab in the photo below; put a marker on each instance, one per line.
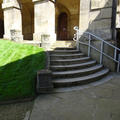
(101, 102)
(15, 111)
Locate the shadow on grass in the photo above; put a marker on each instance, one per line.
(17, 79)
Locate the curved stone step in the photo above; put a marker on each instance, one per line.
(75, 73)
(69, 61)
(66, 56)
(64, 48)
(80, 80)
(72, 66)
(65, 51)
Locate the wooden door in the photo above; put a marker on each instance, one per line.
(62, 27)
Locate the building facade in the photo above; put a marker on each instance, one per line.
(55, 19)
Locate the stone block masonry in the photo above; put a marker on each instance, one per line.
(12, 18)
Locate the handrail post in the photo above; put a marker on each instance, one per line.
(101, 52)
(115, 54)
(89, 47)
(77, 42)
(118, 67)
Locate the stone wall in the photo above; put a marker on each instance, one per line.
(96, 16)
(109, 63)
(44, 20)
(12, 18)
(118, 15)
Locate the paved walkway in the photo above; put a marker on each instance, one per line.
(94, 103)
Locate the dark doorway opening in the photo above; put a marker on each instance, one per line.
(62, 27)
(118, 43)
(1, 22)
(1, 28)
(118, 37)
(28, 20)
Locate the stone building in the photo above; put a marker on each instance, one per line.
(32, 19)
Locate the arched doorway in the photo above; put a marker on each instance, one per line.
(62, 27)
(68, 12)
(28, 20)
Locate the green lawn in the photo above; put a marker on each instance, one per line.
(19, 64)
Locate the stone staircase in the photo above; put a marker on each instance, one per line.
(72, 68)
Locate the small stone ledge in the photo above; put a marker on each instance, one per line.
(44, 81)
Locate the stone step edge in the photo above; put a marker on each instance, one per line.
(66, 51)
(95, 83)
(91, 76)
(70, 60)
(73, 65)
(63, 55)
(96, 67)
(68, 48)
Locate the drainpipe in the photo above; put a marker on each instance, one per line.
(113, 25)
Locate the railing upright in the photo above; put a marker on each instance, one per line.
(89, 47)
(77, 42)
(118, 67)
(101, 54)
(101, 51)
(115, 54)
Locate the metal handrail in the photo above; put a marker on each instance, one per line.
(80, 33)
